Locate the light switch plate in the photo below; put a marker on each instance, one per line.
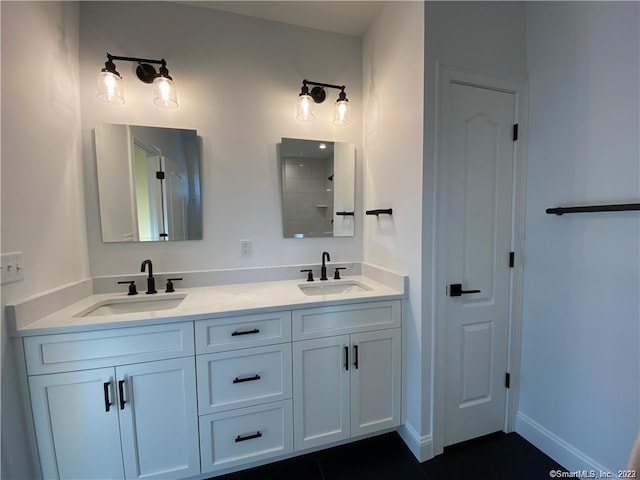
(245, 248)
(11, 267)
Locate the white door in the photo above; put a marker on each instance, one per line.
(479, 156)
(375, 381)
(76, 422)
(321, 391)
(159, 419)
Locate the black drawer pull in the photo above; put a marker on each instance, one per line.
(346, 358)
(245, 332)
(355, 355)
(246, 379)
(240, 438)
(107, 401)
(121, 391)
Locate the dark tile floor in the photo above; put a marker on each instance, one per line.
(495, 457)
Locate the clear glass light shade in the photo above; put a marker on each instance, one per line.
(304, 112)
(342, 113)
(110, 88)
(164, 92)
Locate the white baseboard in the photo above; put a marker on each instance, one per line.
(561, 451)
(420, 446)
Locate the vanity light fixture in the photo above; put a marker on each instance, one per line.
(110, 81)
(307, 99)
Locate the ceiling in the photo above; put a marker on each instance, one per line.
(346, 17)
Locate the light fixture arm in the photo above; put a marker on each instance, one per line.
(317, 93)
(145, 71)
(136, 60)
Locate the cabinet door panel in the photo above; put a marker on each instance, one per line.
(159, 422)
(375, 382)
(77, 437)
(320, 391)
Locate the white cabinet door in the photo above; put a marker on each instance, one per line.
(159, 419)
(320, 391)
(76, 428)
(375, 381)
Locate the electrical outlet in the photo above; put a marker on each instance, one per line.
(245, 248)
(11, 267)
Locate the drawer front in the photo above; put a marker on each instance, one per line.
(244, 377)
(318, 322)
(230, 333)
(249, 434)
(80, 351)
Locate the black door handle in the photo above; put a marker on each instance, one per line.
(121, 392)
(455, 290)
(107, 400)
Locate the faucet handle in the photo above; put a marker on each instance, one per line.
(336, 276)
(310, 275)
(170, 281)
(132, 286)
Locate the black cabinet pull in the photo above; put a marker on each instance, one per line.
(455, 290)
(107, 400)
(355, 355)
(121, 392)
(346, 358)
(246, 379)
(241, 438)
(245, 332)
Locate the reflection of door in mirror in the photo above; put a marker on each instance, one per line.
(318, 180)
(161, 168)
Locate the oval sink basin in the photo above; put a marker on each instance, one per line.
(333, 288)
(118, 306)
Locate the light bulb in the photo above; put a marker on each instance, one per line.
(304, 112)
(342, 113)
(164, 92)
(110, 87)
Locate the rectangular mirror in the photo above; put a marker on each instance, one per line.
(318, 188)
(148, 183)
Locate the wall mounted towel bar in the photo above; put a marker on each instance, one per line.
(622, 207)
(383, 211)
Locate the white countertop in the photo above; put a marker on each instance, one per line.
(206, 302)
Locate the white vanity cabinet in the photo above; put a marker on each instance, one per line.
(134, 417)
(244, 389)
(346, 385)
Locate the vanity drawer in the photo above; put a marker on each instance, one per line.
(230, 333)
(67, 352)
(243, 377)
(342, 319)
(246, 435)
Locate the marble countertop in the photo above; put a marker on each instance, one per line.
(206, 302)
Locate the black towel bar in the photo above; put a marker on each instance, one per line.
(349, 214)
(622, 207)
(382, 211)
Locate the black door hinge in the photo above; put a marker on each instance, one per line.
(515, 132)
(507, 380)
(160, 175)
(512, 259)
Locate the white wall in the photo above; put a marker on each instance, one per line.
(579, 398)
(393, 119)
(238, 79)
(42, 187)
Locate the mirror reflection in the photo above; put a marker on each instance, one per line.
(318, 188)
(148, 183)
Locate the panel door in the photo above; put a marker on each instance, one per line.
(159, 419)
(321, 391)
(76, 423)
(375, 381)
(480, 156)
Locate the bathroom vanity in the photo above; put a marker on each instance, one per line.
(230, 377)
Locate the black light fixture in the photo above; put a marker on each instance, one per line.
(110, 81)
(307, 98)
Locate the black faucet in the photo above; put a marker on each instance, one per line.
(323, 270)
(151, 282)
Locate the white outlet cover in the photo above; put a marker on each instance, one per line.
(11, 267)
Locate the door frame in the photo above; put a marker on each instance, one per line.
(518, 87)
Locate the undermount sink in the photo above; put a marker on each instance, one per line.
(116, 306)
(333, 288)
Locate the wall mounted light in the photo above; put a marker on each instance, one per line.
(110, 87)
(307, 99)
